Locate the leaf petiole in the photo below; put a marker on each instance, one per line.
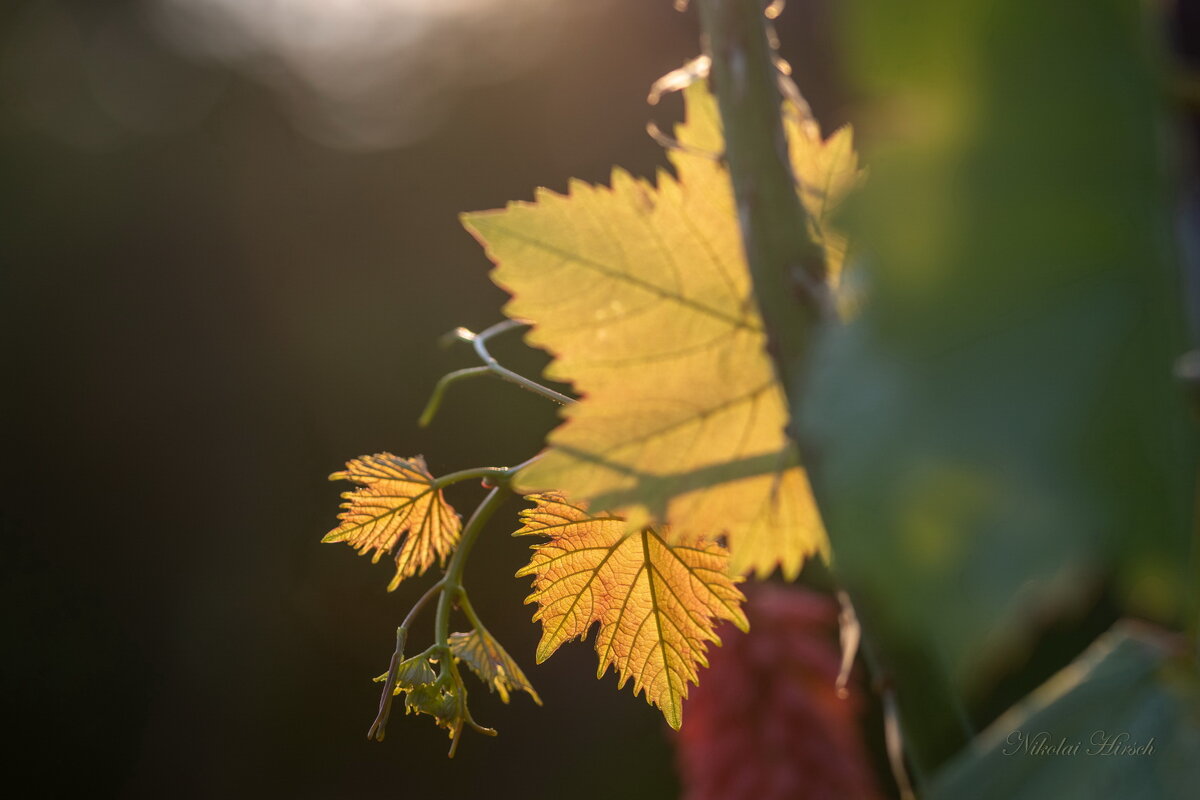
(495, 475)
(452, 592)
(468, 610)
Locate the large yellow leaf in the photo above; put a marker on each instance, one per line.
(398, 509)
(656, 602)
(643, 296)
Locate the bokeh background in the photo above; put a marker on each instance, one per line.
(230, 249)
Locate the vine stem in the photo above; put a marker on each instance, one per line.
(451, 582)
(449, 587)
(788, 273)
(786, 266)
(480, 341)
(379, 726)
(491, 473)
(452, 592)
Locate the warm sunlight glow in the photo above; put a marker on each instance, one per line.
(371, 73)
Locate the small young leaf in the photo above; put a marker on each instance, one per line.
(494, 666)
(397, 509)
(439, 702)
(656, 602)
(425, 691)
(414, 672)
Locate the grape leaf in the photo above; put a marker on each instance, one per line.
(398, 508)
(656, 602)
(1000, 425)
(443, 703)
(425, 692)
(643, 296)
(411, 673)
(494, 666)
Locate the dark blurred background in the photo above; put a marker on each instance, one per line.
(230, 249)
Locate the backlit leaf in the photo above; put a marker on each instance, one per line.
(443, 703)
(642, 294)
(411, 673)
(397, 509)
(426, 691)
(494, 666)
(656, 602)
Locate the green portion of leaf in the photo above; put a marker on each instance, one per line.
(440, 694)
(440, 702)
(413, 672)
(1122, 721)
(480, 651)
(641, 292)
(397, 509)
(999, 427)
(656, 602)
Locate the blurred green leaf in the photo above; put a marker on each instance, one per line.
(999, 429)
(1122, 721)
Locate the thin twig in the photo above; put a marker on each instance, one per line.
(679, 79)
(850, 634)
(416, 609)
(487, 473)
(379, 726)
(490, 367)
(480, 342)
(894, 741)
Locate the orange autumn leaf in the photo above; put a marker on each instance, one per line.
(656, 602)
(398, 509)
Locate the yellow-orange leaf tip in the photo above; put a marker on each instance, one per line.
(397, 510)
